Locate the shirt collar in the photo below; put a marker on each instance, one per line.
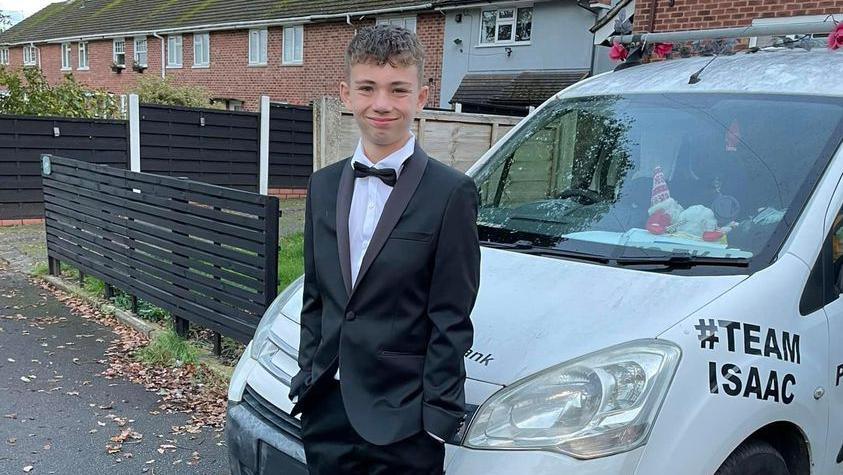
(394, 160)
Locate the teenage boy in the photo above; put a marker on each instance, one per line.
(392, 268)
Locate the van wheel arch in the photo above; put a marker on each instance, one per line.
(789, 441)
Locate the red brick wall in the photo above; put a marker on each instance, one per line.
(230, 76)
(705, 14)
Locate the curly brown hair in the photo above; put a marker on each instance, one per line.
(382, 44)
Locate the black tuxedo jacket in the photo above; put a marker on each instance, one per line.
(402, 329)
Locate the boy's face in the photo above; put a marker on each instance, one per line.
(384, 100)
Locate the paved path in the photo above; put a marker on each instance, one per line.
(57, 414)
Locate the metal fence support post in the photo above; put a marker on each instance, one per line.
(135, 304)
(54, 266)
(181, 326)
(134, 133)
(263, 169)
(81, 278)
(109, 291)
(217, 344)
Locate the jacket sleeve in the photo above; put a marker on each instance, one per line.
(311, 311)
(453, 291)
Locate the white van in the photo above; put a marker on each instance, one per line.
(661, 273)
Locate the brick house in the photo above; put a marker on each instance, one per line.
(238, 49)
(672, 15)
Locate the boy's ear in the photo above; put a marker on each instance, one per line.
(424, 92)
(345, 94)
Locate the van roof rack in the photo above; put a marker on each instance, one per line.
(807, 28)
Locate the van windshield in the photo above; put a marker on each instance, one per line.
(716, 175)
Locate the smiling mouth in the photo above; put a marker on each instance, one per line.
(381, 121)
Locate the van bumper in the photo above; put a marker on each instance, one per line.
(262, 439)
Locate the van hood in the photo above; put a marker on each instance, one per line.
(533, 312)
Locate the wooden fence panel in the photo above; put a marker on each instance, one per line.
(22, 141)
(456, 139)
(290, 145)
(213, 146)
(205, 253)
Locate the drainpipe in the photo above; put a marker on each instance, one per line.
(653, 6)
(163, 70)
(594, 12)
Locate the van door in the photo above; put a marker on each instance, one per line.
(832, 255)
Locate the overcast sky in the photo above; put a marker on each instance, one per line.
(28, 7)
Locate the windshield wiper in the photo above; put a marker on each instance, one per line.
(674, 260)
(507, 245)
(682, 260)
(528, 247)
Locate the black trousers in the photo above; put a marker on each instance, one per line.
(333, 447)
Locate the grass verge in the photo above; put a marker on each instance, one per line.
(168, 349)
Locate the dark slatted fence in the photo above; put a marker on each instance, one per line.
(212, 146)
(24, 139)
(290, 145)
(205, 253)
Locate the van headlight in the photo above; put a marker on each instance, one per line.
(597, 405)
(271, 315)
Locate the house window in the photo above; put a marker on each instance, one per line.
(4, 55)
(506, 25)
(201, 49)
(141, 51)
(83, 55)
(293, 44)
(257, 47)
(408, 22)
(65, 56)
(119, 48)
(174, 51)
(30, 56)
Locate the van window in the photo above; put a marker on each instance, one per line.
(702, 174)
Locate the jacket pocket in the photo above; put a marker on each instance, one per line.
(399, 354)
(410, 235)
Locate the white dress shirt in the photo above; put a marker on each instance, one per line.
(370, 195)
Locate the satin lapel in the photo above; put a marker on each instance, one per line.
(394, 207)
(344, 192)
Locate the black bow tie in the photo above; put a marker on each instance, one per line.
(387, 175)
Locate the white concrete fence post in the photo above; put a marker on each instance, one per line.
(134, 133)
(263, 173)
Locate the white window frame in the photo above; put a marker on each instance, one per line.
(258, 49)
(505, 21)
(4, 56)
(294, 33)
(137, 50)
(203, 41)
(175, 51)
(403, 21)
(30, 59)
(82, 51)
(115, 51)
(65, 57)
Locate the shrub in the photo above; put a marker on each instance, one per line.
(155, 90)
(29, 93)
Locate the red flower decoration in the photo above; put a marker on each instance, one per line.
(618, 52)
(835, 39)
(663, 49)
